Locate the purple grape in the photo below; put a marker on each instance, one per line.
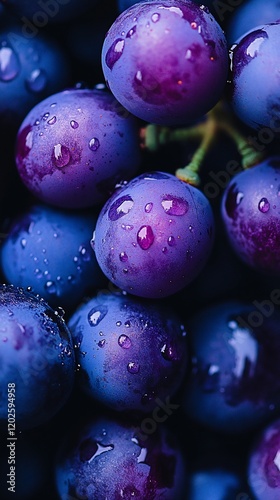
(106, 459)
(264, 463)
(166, 61)
(36, 358)
(49, 250)
(234, 385)
(154, 236)
(255, 97)
(131, 353)
(250, 212)
(73, 147)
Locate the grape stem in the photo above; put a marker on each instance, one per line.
(218, 119)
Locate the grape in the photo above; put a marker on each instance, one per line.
(154, 235)
(73, 147)
(263, 463)
(106, 459)
(37, 358)
(48, 249)
(166, 61)
(131, 353)
(255, 97)
(250, 212)
(234, 384)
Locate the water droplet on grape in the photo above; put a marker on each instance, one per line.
(37, 81)
(114, 52)
(123, 257)
(145, 237)
(101, 343)
(164, 250)
(155, 17)
(84, 253)
(124, 341)
(173, 205)
(23, 242)
(61, 155)
(264, 205)
(50, 287)
(171, 241)
(94, 144)
(96, 315)
(74, 124)
(118, 323)
(131, 32)
(92, 241)
(148, 207)
(121, 207)
(133, 367)
(169, 352)
(52, 120)
(9, 64)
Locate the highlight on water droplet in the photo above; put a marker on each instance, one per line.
(264, 205)
(74, 124)
(124, 341)
(171, 241)
(9, 64)
(96, 314)
(94, 144)
(101, 343)
(61, 155)
(114, 52)
(145, 237)
(131, 32)
(133, 367)
(155, 17)
(52, 120)
(123, 257)
(148, 207)
(173, 205)
(120, 207)
(50, 287)
(37, 80)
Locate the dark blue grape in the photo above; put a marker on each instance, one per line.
(154, 235)
(36, 358)
(251, 215)
(264, 463)
(73, 147)
(49, 250)
(166, 61)
(234, 384)
(131, 353)
(106, 459)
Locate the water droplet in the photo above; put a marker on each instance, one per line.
(120, 207)
(133, 367)
(124, 341)
(92, 241)
(96, 315)
(9, 64)
(169, 352)
(155, 17)
(23, 242)
(123, 257)
(38, 273)
(101, 343)
(145, 237)
(50, 287)
(114, 52)
(84, 253)
(52, 120)
(61, 155)
(173, 205)
(164, 250)
(264, 205)
(191, 229)
(37, 81)
(74, 124)
(94, 144)
(118, 323)
(131, 32)
(148, 397)
(127, 227)
(171, 241)
(148, 207)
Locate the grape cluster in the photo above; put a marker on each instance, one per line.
(139, 250)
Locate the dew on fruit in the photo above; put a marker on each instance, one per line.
(169, 352)
(50, 287)
(145, 237)
(84, 253)
(94, 144)
(101, 343)
(133, 367)
(148, 207)
(96, 315)
(23, 242)
(74, 124)
(124, 341)
(61, 155)
(155, 17)
(131, 32)
(9, 64)
(164, 250)
(114, 52)
(264, 205)
(121, 207)
(171, 241)
(173, 205)
(37, 81)
(123, 257)
(118, 323)
(52, 120)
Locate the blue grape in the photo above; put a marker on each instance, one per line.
(154, 235)
(250, 213)
(37, 358)
(234, 383)
(166, 61)
(48, 250)
(253, 96)
(131, 353)
(106, 459)
(263, 463)
(73, 147)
